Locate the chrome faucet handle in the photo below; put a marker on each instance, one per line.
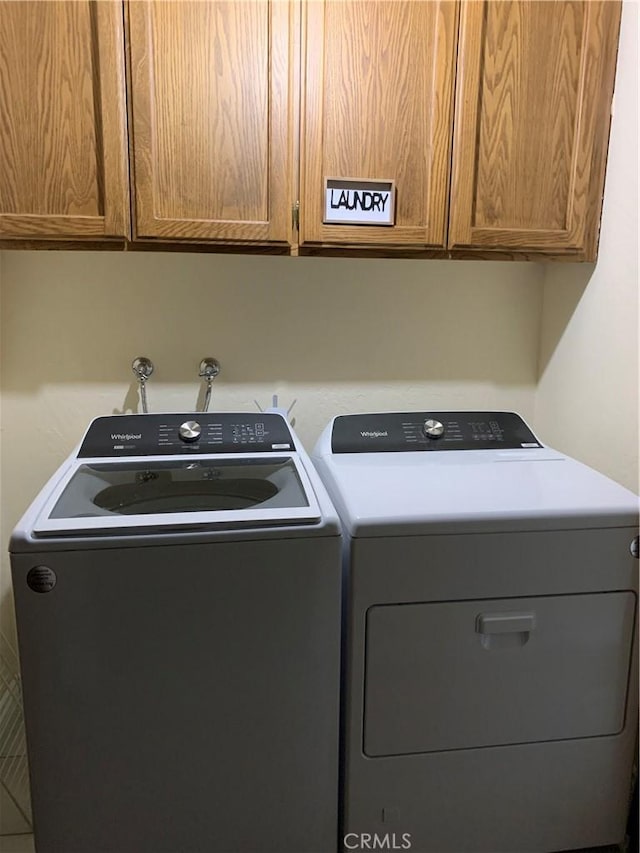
(209, 369)
(142, 368)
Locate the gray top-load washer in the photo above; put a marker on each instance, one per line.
(491, 663)
(177, 591)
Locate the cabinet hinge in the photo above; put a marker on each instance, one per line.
(295, 215)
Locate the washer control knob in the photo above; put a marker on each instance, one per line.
(433, 428)
(190, 431)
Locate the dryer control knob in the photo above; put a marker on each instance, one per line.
(433, 429)
(190, 431)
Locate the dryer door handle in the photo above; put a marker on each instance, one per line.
(510, 622)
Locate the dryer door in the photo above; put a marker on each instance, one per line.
(458, 675)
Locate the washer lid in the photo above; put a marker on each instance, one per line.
(151, 492)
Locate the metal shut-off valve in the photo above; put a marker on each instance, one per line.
(209, 369)
(142, 368)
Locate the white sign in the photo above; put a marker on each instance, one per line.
(350, 201)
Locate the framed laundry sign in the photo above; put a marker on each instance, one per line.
(355, 201)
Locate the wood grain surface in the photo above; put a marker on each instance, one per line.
(210, 105)
(535, 79)
(228, 98)
(377, 94)
(63, 169)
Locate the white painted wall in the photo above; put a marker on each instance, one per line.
(337, 335)
(587, 397)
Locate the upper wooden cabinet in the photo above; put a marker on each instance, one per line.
(211, 106)
(63, 141)
(377, 94)
(531, 125)
(513, 162)
(491, 118)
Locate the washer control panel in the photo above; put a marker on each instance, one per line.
(175, 434)
(410, 431)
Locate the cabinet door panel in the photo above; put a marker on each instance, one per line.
(531, 123)
(377, 103)
(210, 107)
(63, 145)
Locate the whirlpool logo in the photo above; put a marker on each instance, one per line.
(128, 436)
(376, 433)
(373, 841)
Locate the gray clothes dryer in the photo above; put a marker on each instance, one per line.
(177, 591)
(491, 666)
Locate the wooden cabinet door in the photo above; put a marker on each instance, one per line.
(377, 91)
(211, 99)
(63, 139)
(532, 115)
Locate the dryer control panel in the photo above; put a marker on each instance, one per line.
(183, 434)
(412, 431)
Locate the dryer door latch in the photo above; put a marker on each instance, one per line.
(506, 629)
